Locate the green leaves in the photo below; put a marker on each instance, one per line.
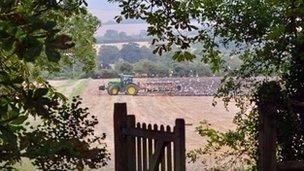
(49, 25)
(183, 56)
(40, 92)
(118, 19)
(53, 45)
(68, 135)
(266, 35)
(52, 55)
(19, 120)
(34, 36)
(34, 49)
(61, 42)
(3, 34)
(232, 141)
(29, 48)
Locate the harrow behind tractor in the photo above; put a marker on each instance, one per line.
(126, 85)
(160, 86)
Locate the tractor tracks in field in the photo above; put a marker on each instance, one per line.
(168, 106)
(71, 88)
(64, 88)
(101, 107)
(79, 88)
(157, 109)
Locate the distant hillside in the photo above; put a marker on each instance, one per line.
(133, 21)
(119, 45)
(128, 28)
(114, 36)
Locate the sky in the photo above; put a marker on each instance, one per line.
(106, 11)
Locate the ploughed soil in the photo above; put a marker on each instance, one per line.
(156, 110)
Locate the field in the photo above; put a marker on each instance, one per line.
(150, 109)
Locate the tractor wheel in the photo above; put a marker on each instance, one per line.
(131, 89)
(113, 90)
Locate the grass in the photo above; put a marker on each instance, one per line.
(66, 84)
(79, 88)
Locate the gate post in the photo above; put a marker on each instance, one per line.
(267, 139)
(120, 146)
(179, 145)
(269, 97)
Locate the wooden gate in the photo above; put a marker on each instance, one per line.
(141, 147)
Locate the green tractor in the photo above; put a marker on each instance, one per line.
(125, 84)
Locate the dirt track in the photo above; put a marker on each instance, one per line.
(159, 110)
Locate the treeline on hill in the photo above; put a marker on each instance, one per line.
(113, 36)
(141, 62)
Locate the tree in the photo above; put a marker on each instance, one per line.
(123, 68)
(142, 34)
(81, 57)
(81, 28)
(111, 35)
(181, 70)
(146, 53)
(232, 63)
(123, 36)
(130, 52)
(33, 36)
(108, 54)
(269, 39)
(200, 69)
(151, 69)
(102, 73)
(161, 70)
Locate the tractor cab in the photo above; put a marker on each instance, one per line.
(126, 79)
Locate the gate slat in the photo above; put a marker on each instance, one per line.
(150, 147)
(131, 145)
(144, 149)
(139, 156)
(169, 155)
(163, 162)
(155, 128)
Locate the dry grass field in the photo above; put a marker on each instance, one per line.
(150, 109)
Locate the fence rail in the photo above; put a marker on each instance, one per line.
(290, 165)
(147, 147)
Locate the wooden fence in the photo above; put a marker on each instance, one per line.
(142, 147)
(267, 143)
(267, 136)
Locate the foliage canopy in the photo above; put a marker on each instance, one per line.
(266, 34)
(36, 122)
